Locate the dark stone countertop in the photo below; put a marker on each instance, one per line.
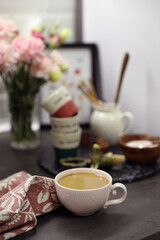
(134, 219)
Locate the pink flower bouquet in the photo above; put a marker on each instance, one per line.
(24, 67)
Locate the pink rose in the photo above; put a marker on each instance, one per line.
(57, 58)
(38, 35)
(54, 67)
(28, 50)
(54, 39)
(7, 30)
(5, 56)
(43, 69)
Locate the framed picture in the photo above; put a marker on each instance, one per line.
(83, 65)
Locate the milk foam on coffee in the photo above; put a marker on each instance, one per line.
(83, 181)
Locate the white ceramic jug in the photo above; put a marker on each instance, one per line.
(108, 121)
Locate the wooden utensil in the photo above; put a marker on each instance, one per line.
(124, 65)
(90, 93)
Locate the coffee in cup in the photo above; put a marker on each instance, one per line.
(83, 181)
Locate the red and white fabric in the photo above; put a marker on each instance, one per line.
(22, 198)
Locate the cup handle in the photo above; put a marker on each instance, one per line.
(114, 192)
(129, 116)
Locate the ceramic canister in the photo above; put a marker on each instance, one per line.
(66, 144)
(65, 125)
(60, 103)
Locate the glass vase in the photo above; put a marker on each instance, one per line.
(25, 124)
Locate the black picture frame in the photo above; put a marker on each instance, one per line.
(95, 61)
(92, 50)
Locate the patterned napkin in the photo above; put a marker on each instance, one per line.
(22, 198)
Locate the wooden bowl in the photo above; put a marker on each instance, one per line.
(147, 155)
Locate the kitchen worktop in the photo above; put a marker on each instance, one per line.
(137, 217)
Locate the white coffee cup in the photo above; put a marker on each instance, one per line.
(56, 100)
(87, 202)
(65, 125)
(66, 140)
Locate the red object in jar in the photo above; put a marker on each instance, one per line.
(69, 109)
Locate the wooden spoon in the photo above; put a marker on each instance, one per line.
(125, 61)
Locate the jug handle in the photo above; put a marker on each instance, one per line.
(129, 116)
